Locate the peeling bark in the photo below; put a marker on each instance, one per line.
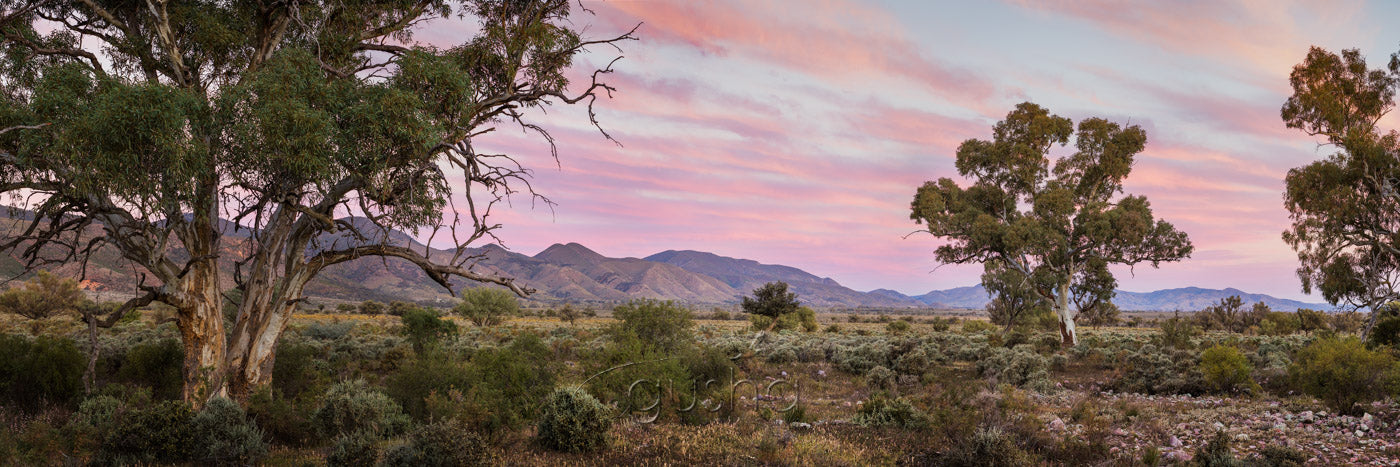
(1068, 335)
(201, 324)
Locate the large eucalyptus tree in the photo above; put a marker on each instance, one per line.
(1346, 208)
(1057, 227)
(150, 121)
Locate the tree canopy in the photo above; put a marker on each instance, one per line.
(168, 126)
(1060, 226)
(1346, 208)
(772, 300)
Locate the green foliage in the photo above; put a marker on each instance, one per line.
(371, 307)
(156, 364)
(1017, 367)
(1342, 372)
(295, 370)
(441, 444)
(772, 300)
(425, 328)
(990, 447)
(486, 306)
(1280, 324)
(881, 410)
(497, 389)
(1217, 453)
(43, 296)
(898, 326)
(1385, 333)
(1023, 213)
(1177, 332)
(351, 407)
(224, 436)
(1337, 98)
(660, 325)
(355, 449)
(880, 379)
(573, 421)
(1152, 370)
(976, 326)
(1279, 456)
(285, 421)
(804, 319)
(399, 308)
(157, 433)
(1014, 302)
(1312, 320)
(1225, 369)
(328, 331)
(41, 370)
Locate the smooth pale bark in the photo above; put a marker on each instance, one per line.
(262, 318)
(1068, 335)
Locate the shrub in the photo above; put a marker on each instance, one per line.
(914, 362)
(156, 364)
(425, 329)
(1217, 452)
(371, 307)
(486, 306)
(1178, 332)
(44, 369)
(223, 435)
(1279, 456)
(1152, 371)
(659, 325)
(1385, 333)
(399, 308)
(327, 331)
(989, 447)
(159, 433)
(1018, 367)
(284, 421)
(352, 407)
(294, 371)
(881, 410)
(833, 328)
(976, 326)
(1225, 369)
(898, 327)
(440, 445)
(939, 324)
(1311, 320)
(345, 308)
(498, 388)
(573, 421)
(354, 450)
(1342, 372)
(803, 319)
(880, 378)
(1279, 323)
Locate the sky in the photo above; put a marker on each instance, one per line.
(796, 132)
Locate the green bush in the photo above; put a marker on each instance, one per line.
(352, 407)
(881, 410)
(660, 325)
(328, 331)
(880, 378)
(915, 362)
(496, 389)
(1279, 323)
(1279, 456)
(1342, 372)
(573, 421)
(1178, 332)
(989, 447)
(486, 306)
(1217, 452)
(425, 328)
(285, 421)
(1311, 320)
(371, 307)
(42, 370)
(156, 364)
(159, 433)
(354, 450)
(1018, 367)
(804, 319)
(440, 444)
(1227, 370)
(295, 370)
(898, 326)
(1385, 333)
(1151, 370)
(977, 325)
(224, 436)
(833, 329)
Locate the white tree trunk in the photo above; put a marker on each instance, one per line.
(1068, 334)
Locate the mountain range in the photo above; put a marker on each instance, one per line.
(573, 273)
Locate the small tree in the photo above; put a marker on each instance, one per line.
(772, 300)
(568, 314)
(1060, 227)
(1226, 315)
(43, 296)
(1103, 314)
(486, 306)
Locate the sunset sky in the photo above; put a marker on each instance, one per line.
(796, 132)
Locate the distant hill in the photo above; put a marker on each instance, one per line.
(1184, 299)
(574, 273)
